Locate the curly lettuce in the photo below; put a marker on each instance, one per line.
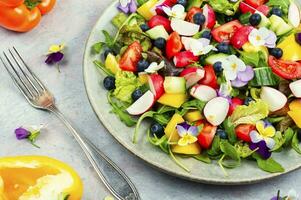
(224, 6)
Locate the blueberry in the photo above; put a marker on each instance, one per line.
(248, 100)
(144, 27)
(222, 134)
(228, 18)
(160, 43)
(182, 2)
(299, 134)
(109, 83)
(107, 52)
(276, 11)
(223, 48)
(206, 34)
(277, 52)
(255, 19)
(142, 65)
(157, 129)
(218, 67)
(137, 94)
(199, 18)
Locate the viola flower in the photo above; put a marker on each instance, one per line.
(199, 46)
(127, 6)
(154, 67)
(263, 37)
(30, 133)
(262, 149)
(55, 54)
(292, 195)
(232, 65)
(225, 90)
(187, 133)
(243, 77)
(177, 11)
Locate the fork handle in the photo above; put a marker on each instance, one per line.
(110, 174)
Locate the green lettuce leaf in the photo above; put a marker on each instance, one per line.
(126, 82)
(250, 114)
(224, 6)
(283, 4)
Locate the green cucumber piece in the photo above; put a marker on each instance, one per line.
(215, 58)
(175, 85)
(264, 77)
(265, 22)
(279, 26)
(157, 32)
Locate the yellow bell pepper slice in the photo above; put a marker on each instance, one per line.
(146, 10)
(38, 178)
(291, 49)
(295, 112)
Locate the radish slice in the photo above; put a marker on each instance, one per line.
(216, 110)
(296, 88)
(183, 27)
(142, 105)
(203, 92)
(274, 98)
(294, 15)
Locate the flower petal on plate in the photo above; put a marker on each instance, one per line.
(246, 75)
(255, 137)
(132, 6)
(255, 38)
(167, 10)
(21, 133)
(193, 130)
(238, 83)
(270, 142)
(269, 131)
(181, 130)
(230, 74)
(183, 141)
(260, 126)
(204, 41)
(191, 139)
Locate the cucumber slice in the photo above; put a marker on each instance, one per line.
(194, 3)
(265, 22)
(264, 77)
(157, 32)
(279, 26)
(215, 58)
(175, 85)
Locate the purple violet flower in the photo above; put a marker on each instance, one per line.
(262, 149)
(243, 77)
(54, 58)
(127, 6)
(22, 133)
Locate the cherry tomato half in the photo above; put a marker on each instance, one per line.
(225, 32)
(206, 135)
(131, 57)
(285, 69)
(243, 132)
(210, 78)
(173, 45)
(240, 37)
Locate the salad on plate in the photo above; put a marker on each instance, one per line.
(217, 79)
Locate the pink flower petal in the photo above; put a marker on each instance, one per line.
(246, 75)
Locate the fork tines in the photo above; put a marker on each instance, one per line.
(26, 81)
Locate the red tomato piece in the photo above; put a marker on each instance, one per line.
(131, 57)
(240, 37)
(225, 32)
(264, 9)
(255, 3)
(243, 132)
(210, 78)
(192, 11)
(244, 8)
(173, 45)
(160, 20)
(184, 58)
(234, 103)
(285, 69)
(206, 135)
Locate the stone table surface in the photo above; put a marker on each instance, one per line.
(70, 23)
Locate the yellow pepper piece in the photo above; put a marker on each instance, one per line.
(295, 105)
(295, 111)
(190, 149)
(170, 129)
(38, 178)
(291, 49)
(193, 116)
(147, 9)
(173, 100)
(249, 48)
(111, 63)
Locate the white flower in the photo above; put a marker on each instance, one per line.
(197, 46)
(225, 89)
(124, 3)
(232, 65)
(292, 195)
(177, 11)
(154, 67)
(263, 37)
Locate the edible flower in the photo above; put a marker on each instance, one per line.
(187, 133)
(225, 90)
(292, 195)
(177, 11)
(243, 77)
(127, 6)
(232, 65)
(263, 37)
(200, 46)
(262, 138)
(154, 67)
(55, 54)
(30, 133)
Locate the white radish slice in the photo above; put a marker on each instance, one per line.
(183, 27)
(203, 92)
(216, 110)
(274, 98)
(294, 15)
(142, 105)
(296, 88)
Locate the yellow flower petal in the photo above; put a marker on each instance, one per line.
(269, 132)
(260, 127)
(191, 139)
(56, 48)
(183, 141)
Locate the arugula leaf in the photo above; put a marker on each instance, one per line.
(141, 2)
(97, 47)
(203, 157)
(230, 130)
(283, 4)
(215, 149)
(279, 141)
(194, 104)
(250, 114)
(288, 136)
(243, 149)
(285, 123)
(142, 117)
(295, 143)
(120, 112)
(177, 161)
(101, 66)
(163, 119)
(119, 19)
(224, 6)
(269, 165)
(230, 153)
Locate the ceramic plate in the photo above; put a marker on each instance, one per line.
(247, 173)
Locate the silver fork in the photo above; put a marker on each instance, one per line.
(39, 97)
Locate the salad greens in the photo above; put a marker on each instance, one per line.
(212, 80)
